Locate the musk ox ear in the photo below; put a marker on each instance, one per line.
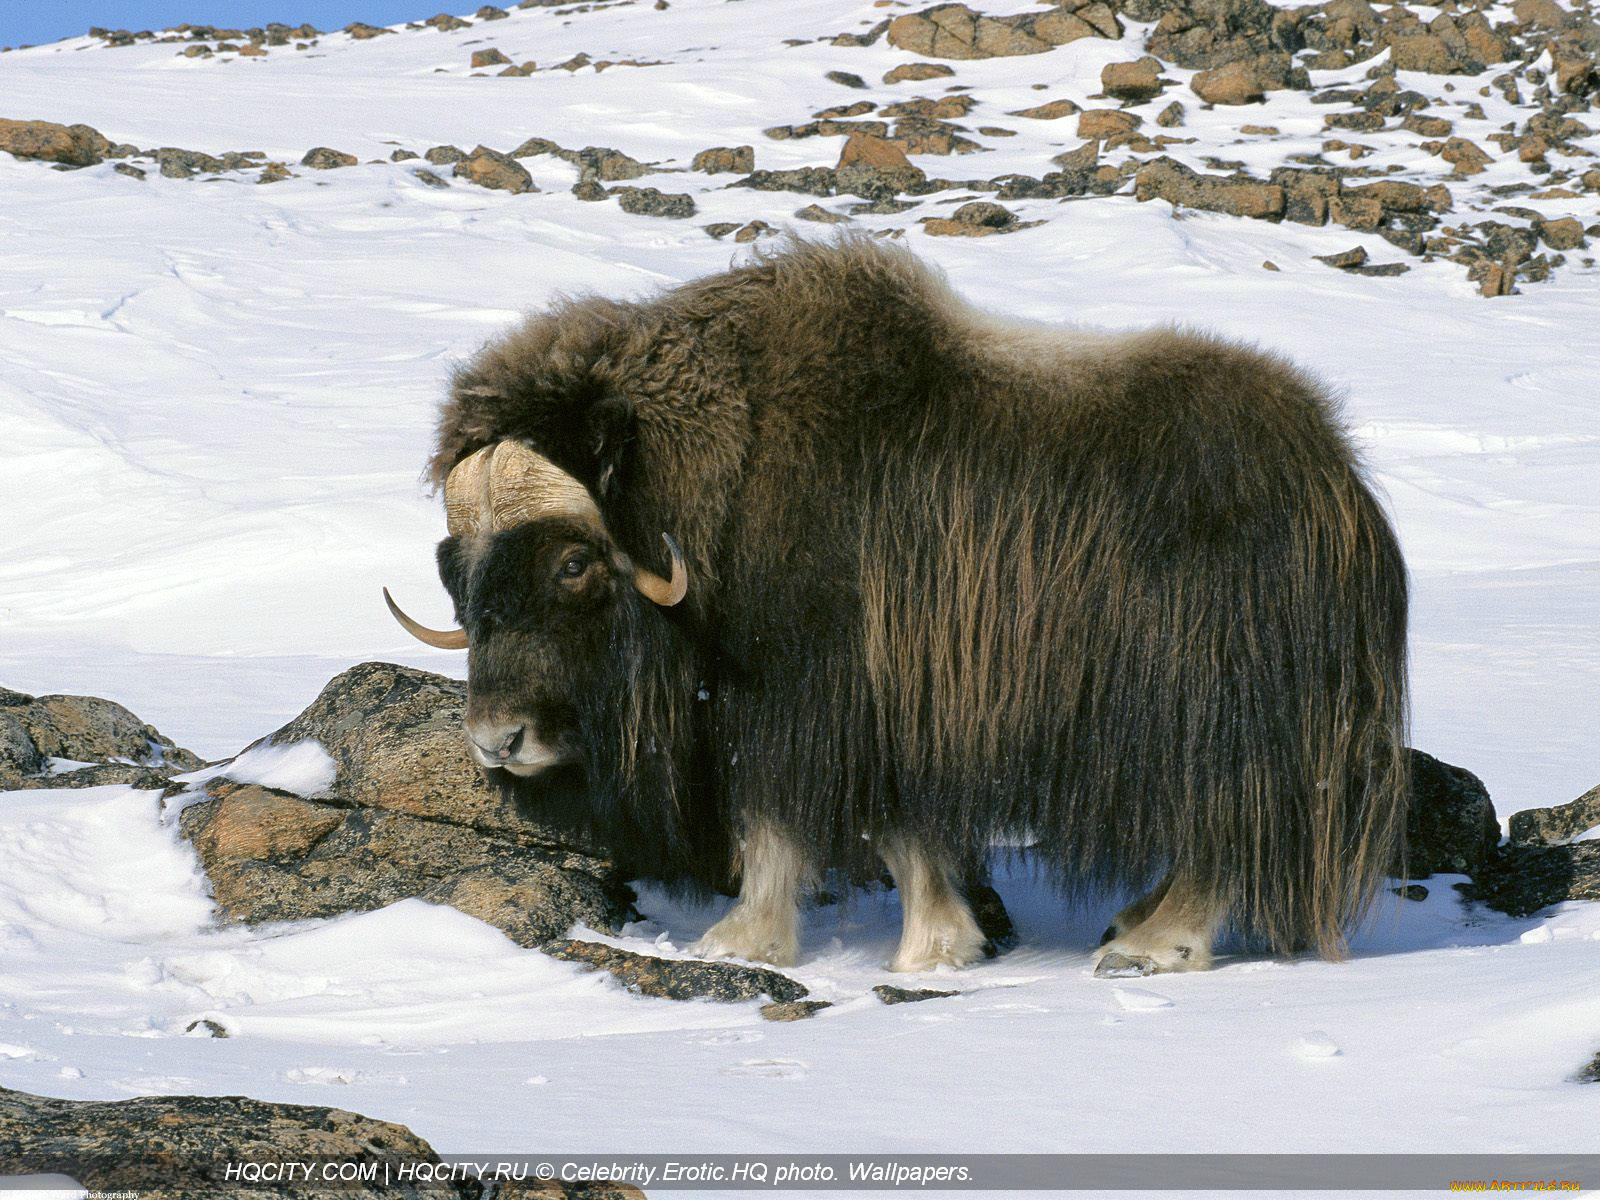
(610, 435)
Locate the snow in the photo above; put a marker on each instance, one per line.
(217, 401)
(302, 768)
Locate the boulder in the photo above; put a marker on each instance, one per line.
(720, 160)
(70, 145)
(83, 729)
(1451, 825)
(1235, 83)
(178, 163)
(1521, 880)
(1206, 34)
(1133, 82)
(178, 1145)
(1559, 824)
(492, 57)
(873, 168)
(956, 31)
(1052, 110)
(917, 72)
(977, 218)
(491, 169)
(407, 814)
(324, 158)
(652, 202)
(1167, 179)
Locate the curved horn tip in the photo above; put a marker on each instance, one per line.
(661, 591)
(440, 639)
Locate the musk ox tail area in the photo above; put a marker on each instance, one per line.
(1160, 628)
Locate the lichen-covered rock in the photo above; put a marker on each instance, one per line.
(1451, 825)
(1134, 82)
(956, 31)
(653, 202)
(1559, 824)
(1520, 880)
(325, 158)
(70, 145)
(178, 1145)
(976, 218)
(680, 978)
(491, 169)
(890, 994)
(1167, 179)
(82, 729)
(720, 160)
(407, 815)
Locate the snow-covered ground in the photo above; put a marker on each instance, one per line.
(216, 399)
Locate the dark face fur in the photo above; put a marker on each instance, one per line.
(538, 603)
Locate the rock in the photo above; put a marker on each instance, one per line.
(1171, 116)
(752, 231)
(1133, 82)
(403, 155)
(1105, 123)
(1559, 824)
(1167, 179)
(793, 1010)
(1206, 34)
(490, 13)
(1465, 156)
(721, 229)
(1411, 891)
(361, 31)
(652, 202)
(492, 57)
(70, 145)
(1054, 110)
(720, 160)
(1451, 826)
(1235, 83)
(178, 1145)
(977, 218)
(131, 171)
(1519, 880)
(443, 156)
(1565, 233)
(680, 978)
(877, 153)
(177, 163)
(846, 79)
(956, 31)
(1428, 127)
(445, 23)
(491, 169)
(815, 212)
(323, 158)
(407, 815)
(1344, 259)
(82, 729)
(812, 181)
(274, 173)
(1590, 1073)
(602, 163)
(431, 180)
(917, 72)
(890, 994)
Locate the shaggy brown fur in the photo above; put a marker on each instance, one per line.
(1127, 595)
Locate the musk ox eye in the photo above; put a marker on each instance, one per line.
(574, 566)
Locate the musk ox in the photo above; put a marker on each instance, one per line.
(929, 580)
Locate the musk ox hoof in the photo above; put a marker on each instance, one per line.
(1122, 966)
(739, 936)
(960, 946)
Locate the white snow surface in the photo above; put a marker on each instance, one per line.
(217, 398)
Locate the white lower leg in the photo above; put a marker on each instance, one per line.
(764, 925)
(937, 925)
(1177, 935)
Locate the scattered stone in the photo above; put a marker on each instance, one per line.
(83, 729)
(1133, 82)
(1105, 123)
(1590, 1073)
(1451, 827)
(1269, 265)
(1171, 116)
(652, 202)
(815, 212)
(274, 172)
(1411, 891)
(917, 72)
(1167, 179)
(1557, 825)
(680, 978)
(128, 169)
(408, 814)
(403, 155)
(1234, 83)
(491, 169)
(490, 13)
(977, 218)
(445, 23)
(70, 145)
(443, 156)
(955, 31)
(793, 1010)
(177, 1145)
(1465, 156)
(361, 31)
(754, 230)
(721, 160)
(430, 179)
(846, 79)
(322, 158)
(206, 1027)
(1053, 111)
(1428, 127)
(811, 181)
(493, 57)
(1344, 259)
(1565, 233)
(890, 994)
(721, 229)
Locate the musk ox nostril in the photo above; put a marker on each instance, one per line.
(499, 742)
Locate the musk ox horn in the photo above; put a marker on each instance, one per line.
(662, 591)
(443, 639)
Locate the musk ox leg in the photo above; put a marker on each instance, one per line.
(1130, 917)
(937, 926)
(764, 926)
(1177, 935)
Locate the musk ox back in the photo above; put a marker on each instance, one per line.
(949, 580)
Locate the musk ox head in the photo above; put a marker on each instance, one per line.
(549, 608)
